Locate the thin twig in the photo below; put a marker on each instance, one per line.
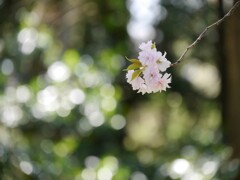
(204, 32)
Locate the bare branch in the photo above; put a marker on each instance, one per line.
(204, 32)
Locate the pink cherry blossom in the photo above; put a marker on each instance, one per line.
(149, 56)
(164, 82)
(146, 46)
(151, 76)
(153, 64)
(144, 89)
(136, 83)
(163, 63)
(129, 75)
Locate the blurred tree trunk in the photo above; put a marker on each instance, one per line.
(230, 69)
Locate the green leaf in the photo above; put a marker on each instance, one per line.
(133, 60)
(134, 66)
(127, 58)
(136, 74)
(153, 45)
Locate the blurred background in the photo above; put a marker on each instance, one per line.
(66, 111)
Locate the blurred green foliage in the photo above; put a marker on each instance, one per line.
(67, 112)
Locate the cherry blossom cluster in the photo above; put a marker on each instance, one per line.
(146, 74)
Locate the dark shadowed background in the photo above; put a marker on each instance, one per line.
(66, 111)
